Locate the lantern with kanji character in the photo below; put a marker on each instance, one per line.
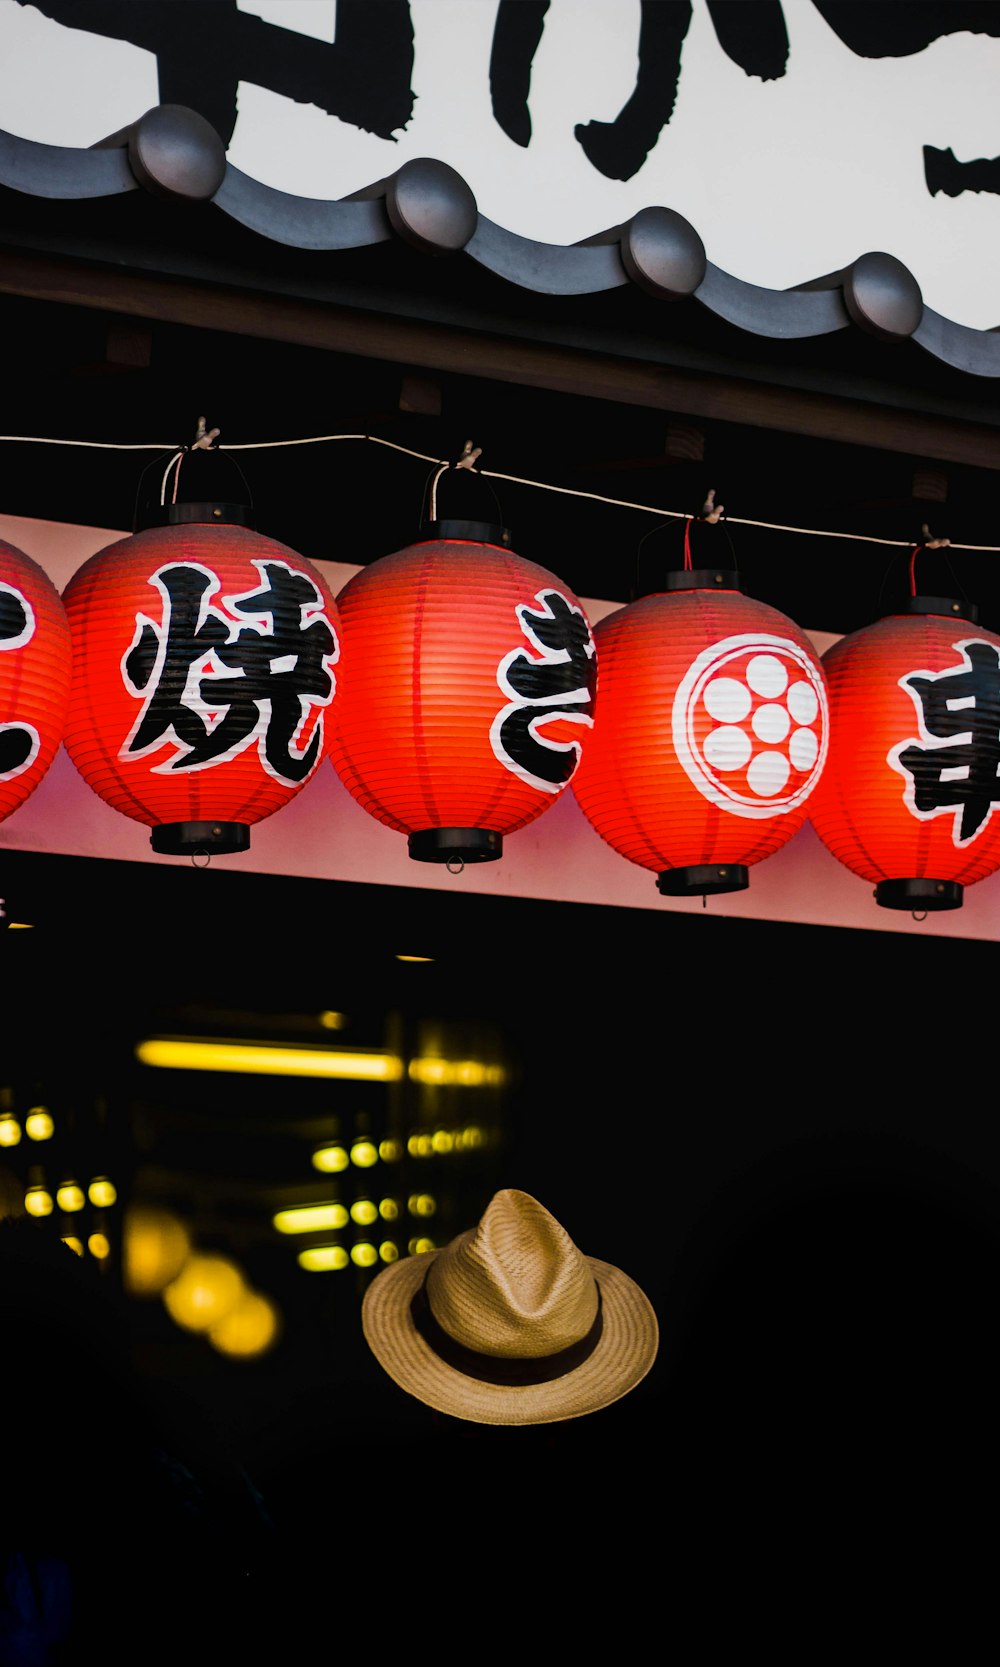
(471, 691)
(35, 671)
(204, 658)
(910, 788)
(709, 736)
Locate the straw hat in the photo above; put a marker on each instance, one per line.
(510, 1323)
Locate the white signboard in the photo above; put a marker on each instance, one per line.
(794, 136)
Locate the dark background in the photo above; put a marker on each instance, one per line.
(784, 1134)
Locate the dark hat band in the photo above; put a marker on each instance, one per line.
(492, 1368)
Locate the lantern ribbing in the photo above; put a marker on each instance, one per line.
(469, 696)
(35, 671)
(910, 786)
(203, 668)
(709, 734)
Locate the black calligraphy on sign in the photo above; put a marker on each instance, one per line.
(19, 742)
(751, 32)
(211, 688)
(204, 51)
(364, 76)
(557, 680)
(897, 31)
(953, 767)
(753, 35)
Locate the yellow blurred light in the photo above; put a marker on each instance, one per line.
(430, 1071)
(416, 958)
(155, 1246)
(390, 1151)
(70, 1196)
(331, 1020)
(364, 1212)
(323, 1258)
(73, 1242)
(248, 1329)
(173, 1053)
(421, 1204)
(364, 1153)
(102, 1192)
(452, 1073)
(419, 1145)
(417, 1247)
(20, 925)
(38, 1125)
(364, 1254)
(311, 1218)
(442, 1140)
(10, 1130)
(389, 1209)
(207, 1288)
(38, 1202)
(388, 1251)
(330, 1159)
(99, 1246)
(474, 1136)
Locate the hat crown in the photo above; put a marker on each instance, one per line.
(516, 1286)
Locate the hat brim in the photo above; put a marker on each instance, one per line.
(624, 1354)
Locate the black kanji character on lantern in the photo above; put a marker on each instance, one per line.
(955, 769)
(557, 682)
(211, 688)
(18, 742)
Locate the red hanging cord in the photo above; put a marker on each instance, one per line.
(914, 553)
(687, 544)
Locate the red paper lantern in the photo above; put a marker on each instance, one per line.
(35, 671)
(472, 682)
(710, 732)
(910, 788)
(204, 659)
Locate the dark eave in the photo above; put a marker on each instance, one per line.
(173, 154)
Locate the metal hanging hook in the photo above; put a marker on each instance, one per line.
(204, 438)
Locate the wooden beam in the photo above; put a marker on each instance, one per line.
(431, 346)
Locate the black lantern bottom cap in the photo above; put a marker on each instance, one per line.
(919, 895)
(703, 878)
(455, 845)
(189, 839)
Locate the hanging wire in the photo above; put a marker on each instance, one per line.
(467, 461)
(711, 513)
(928, 542)
(204, 440)
(442, 464)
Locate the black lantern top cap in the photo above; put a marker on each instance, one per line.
(689, 578)
(465, 491)
(949, 606)
(473, 532)
(199, 483)
(655, 574)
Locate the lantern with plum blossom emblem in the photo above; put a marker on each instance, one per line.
(710, 732)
